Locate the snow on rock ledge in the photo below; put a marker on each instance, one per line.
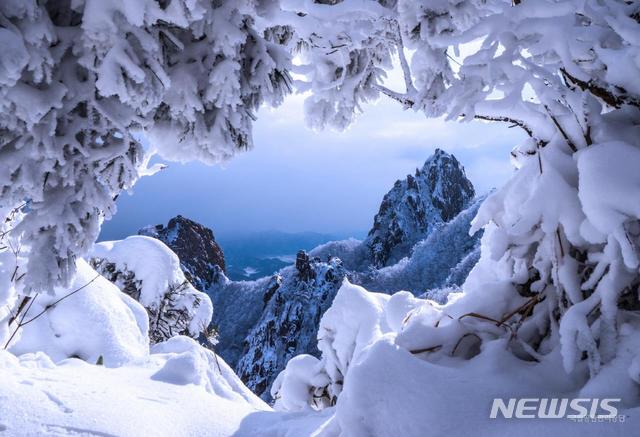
(148, 271)
(96, 321)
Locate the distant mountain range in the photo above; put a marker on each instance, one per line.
(270, 289)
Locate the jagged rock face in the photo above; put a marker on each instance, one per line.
(238, 305)
(290, 320)
(411, 209)
(443, 259)
(263, 323)
(194, 244)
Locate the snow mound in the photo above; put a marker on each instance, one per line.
(97, 321)
(291, 387)
(189, 363)
(148, 271)
(72, 397)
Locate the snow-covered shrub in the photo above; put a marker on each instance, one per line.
(401, 364)
(302, 385)
(148, 271)
(356, 318)
(95, 322)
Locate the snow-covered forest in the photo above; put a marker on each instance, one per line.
(454, 298)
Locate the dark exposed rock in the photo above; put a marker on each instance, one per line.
(194, 244)
(263, 323)
(303, 266)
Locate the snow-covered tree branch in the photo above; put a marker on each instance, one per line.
(81, 82)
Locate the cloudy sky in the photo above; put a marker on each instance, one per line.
(296, 179)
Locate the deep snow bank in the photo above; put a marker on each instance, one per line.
(97, 320)
(182, 389)
(398, 365)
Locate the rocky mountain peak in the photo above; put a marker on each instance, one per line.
(195, 245)
(434, 194)
(450, 189)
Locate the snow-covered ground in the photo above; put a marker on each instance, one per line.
(75, 398)
(182, 390)
(390, 365)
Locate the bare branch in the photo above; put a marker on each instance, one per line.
(606, 95)
(398, 97)
(15, 331)
(561, 130)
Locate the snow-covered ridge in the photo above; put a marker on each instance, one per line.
(263, 323)
(443, 259)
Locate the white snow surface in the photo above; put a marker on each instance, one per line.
(77, 398)
(96, 321)
(376, 356)
(181, 390)
(371, 361)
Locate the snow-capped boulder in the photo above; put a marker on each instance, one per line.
(148, 271)
(416, 205)
(194, 244)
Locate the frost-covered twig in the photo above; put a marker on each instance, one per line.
(20, 323)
